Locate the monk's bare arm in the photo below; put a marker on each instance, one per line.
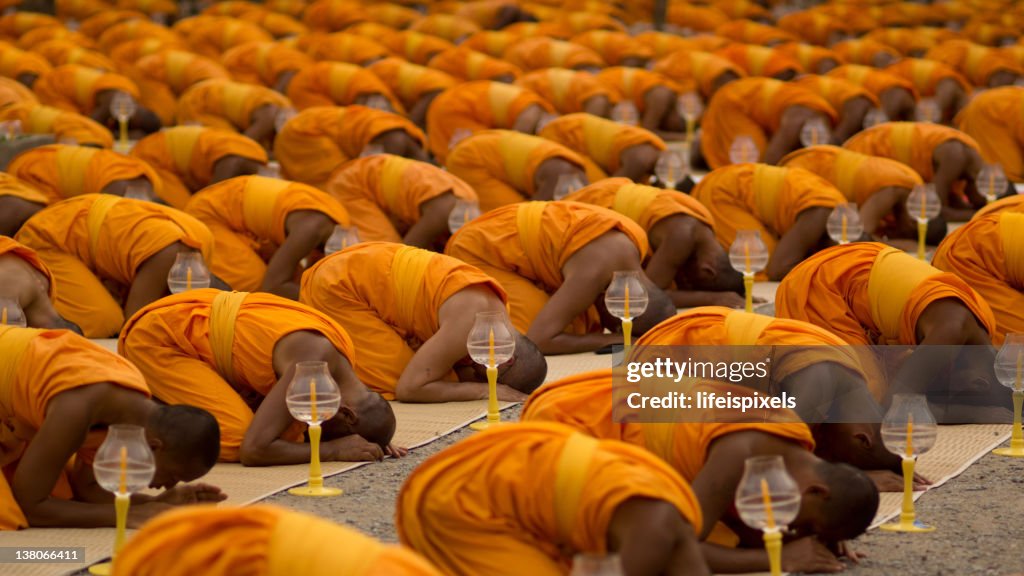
(305, 230)
(659, 103)
(787, 137)
(715, 484)
(433, 221)
(150, 282)
(637, 162)
(652, 538)
(797, 242)
(578, 292)
(852, 119)
(806, 555)
(878, 206)
(950, 165)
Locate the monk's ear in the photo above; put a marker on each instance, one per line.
(817, 490)
(155, 444)
(863, 439)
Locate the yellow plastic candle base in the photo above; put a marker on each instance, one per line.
(493, 415)
(316, 480)
(320, 491)
(773, 545)
(1016, 449)
(748, 289)
(922, 233)
(480, 426)
(1012, 452)
(101, 569)
(912, 526)
(908, 521)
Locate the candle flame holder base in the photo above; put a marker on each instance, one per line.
(1016, 450)
(320, 491)
(907, 525)
(101, 569)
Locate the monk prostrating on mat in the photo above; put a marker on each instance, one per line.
(410, 320)
(245, 108)
(933, 79)
(318, 140)
(234, 355)
(264, 228)
(986, 253)
(505, 167)
(994, 119)
(771, 112)
(838, 502)
(482, 105)
(788, 206)
(896, 94)
(190, 158)
(555, 260)
(525, 498)
(61, 172)
(63, 125)
(879, 187)
(110, 256)
(850, 101)
(268, 63)
(18, 202)
(415, 86)
(571, 91)
(338, 84)
(394, 199)
(869, 293)
(686, 260)
(59, 392)
(944, 156)
(90, 92)
(29, 284)
(469, 65)
(617, 149)
(655, 97)
(277, 542)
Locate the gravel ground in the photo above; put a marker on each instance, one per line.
(979, 515)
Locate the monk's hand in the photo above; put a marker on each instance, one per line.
(889, 481)
(809, 555)
(728, 299)
(197, 493)
(396, 451)
(844, 550)
(509, 394)
(138, 514)
(352, 448)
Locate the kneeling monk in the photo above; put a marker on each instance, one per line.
(29, 284)
(62, 172)
(617, 149)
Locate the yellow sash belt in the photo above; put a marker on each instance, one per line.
(13, 343)
(407, 77)
(500, 96)
(975, 55)
(599, 137)
(757, 57)
(570, 481)
(560, 84)
(259, 203)
(628, 81)
(744, 328)
(660, 439)
(181, 141)
(768, 183)
(292, 551)
(848, 165)
(857, 74)
(223, 312)
(529, 217)
(234, 95)
(391, 180)
(72, 165)
(559, 53)
(262, 53)
(41, 119)
(339, 80)
(902, 139)
(921, 70)
(1011, 232)
(894, 276)
(407, 269)
(177, 63)
(94, 220)
(474, 63)
(412, 43)
(632, 200)
(515, 155)
(85, 79)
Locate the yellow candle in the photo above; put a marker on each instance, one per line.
(312, 399)
(746, 256)
(188, 278)
(490, 347)
(924, 203)
(1020, 355)
(844, 229)
(625, 311)
(123, 489)
(910, 435)
(767, 497)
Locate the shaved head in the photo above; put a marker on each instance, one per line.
(376, 420)
(530, 368)
(659, 309)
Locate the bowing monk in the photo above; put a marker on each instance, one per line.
(271, 64)
(983, 66)
(543, 52)
(617, 149)
(24, 67)
(994, 120)
(788, 206)
(13, 92)
(850, 101)
(620, 499)
(761, 61)
(555, 260)
(946, 157)
(686, 259)
(838, 502)
(339, 84)
(868, 293)
(110, 256)
(813, 59)
(18, 202)
(415, 47)
(60, 172)
(571, 91)
(986, 254)
(91, 92)
(415, 86)
(190, 158)
(475, 106)
(770, 112)
(235, 107)
(65, 126)
(29, 284)
(615, 48)
(235, 353)
(278, 542)
(264, 228)
(468, 65)
(60, 392)
(410, 321)
(394, 199)
(654, 96)
(317, 140)
(505, 167)
(895, 93)
(879, 187)
(935, 80)
(1014, 203)
(707, 72)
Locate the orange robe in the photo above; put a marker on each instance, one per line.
(180, 70)
(264, 540)
(864, 51)
(513, 484)
(318, 140)
(185, 157)
(11, 186)
(1013, 203)
(10, 247)
(926, 75)
(566, 90)
(697, 69)
(634, 83)
(193, 352)
(578, 22)
(74, 88)
(694, 17)
(410, 82)
(17, 23)
(97, 239)
(524, 246)
(133, 30)
(13, 92)
(995, 119)
(415, 47)
(645, 205)
(491, 42)
(872, 79)
(536, 53)
(39, 365)
(835, 91)
(247, 217)
(128, 52)
(988, 254)
(476, 106)
(278, 25)
(975, 62)
(501, 165)
(393, 15)
(59, 52)
(858, 176)
(602, 141)
(760, 197)
(469, 65)
(329, 15)
(216, 35)
(448, 26)
(226, 105)
(814, 27)
(911, 41)
(664, 44)
(750, 32)
(96, 24)
(37, 36)
(79, 9)
(868, 293)
(263, 62)
(341, 47)
(760, 60)
(483, 13)
(751, 107)
(912, 143)
(810, 57)
(388, 314)
(61, 171)
(383, 193)
(336, 84)
(613, 47)
(38, 119)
